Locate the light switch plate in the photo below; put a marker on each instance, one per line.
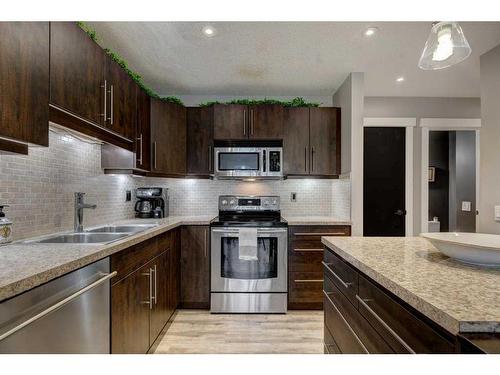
(293, 197)
(466, 206)
(497, 213)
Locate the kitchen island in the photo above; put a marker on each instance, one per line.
(403, 295)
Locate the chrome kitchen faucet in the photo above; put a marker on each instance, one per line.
(79, 206)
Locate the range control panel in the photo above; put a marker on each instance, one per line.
(248, 203)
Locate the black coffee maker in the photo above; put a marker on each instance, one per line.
(152, 202)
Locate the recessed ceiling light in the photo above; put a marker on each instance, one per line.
(371, 31)
(209, 31)
(400, 79)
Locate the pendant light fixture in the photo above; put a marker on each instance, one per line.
(445, 46)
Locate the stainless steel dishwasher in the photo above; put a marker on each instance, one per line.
(70, 314)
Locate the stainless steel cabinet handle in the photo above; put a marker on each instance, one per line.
(111, 99)
(319, 234)
(205, 250)
(209, 158)
(244, 122)
(155, 285)
(140, 149)
(346, 323)
(150, 288)
(154, 155)
(251, 121)
(308, 281)
(384, 324)
(344, 284)
(312, 158)
(305, 159)
(105, 114)
(57, 305)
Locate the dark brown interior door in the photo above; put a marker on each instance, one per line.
(384, 181)
(266, 121)
(199, 140)
(122, 101)
(195, 267)
(230, 121)
(76, 72)
(324, 139)
(130, 313)
(161, 305)
(143, 134)
(296, 141)
(24, 86)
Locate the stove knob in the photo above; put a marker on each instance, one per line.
(275, 202)
(232, 202)
(224, 202)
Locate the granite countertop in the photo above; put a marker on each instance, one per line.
(459, 297)
(26, 265)
(315, 220)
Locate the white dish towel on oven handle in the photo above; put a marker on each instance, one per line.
(248, 244)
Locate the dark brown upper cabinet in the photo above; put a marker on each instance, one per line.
(200, 141)
(311, 141)
(241, 122)
(24, 87)
(122, 100)
(77, 77)
(143, 132)
(168, 138)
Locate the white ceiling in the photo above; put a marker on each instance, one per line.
(292, 58)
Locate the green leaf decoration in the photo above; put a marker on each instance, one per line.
(296, 102)
(136, 77)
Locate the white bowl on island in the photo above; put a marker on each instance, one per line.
(475, 248)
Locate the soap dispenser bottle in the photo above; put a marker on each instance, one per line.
(5, 227)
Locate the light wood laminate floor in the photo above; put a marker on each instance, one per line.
(198, 331)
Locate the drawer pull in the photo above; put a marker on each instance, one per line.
(346, 323)
(320, 234)
(308, 250)
(308, 281)
(384, 324)
(344, 284)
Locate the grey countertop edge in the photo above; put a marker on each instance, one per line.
(101, 251)
(430, 311)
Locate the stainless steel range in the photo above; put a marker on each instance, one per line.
(249, 256)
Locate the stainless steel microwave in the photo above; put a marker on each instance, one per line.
(248, 162)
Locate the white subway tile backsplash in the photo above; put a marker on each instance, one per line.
(39, 188)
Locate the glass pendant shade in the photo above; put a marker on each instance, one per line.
(445, 46)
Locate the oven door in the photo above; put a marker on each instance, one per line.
(238, 161)
(266, 274)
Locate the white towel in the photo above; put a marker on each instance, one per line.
(248, 244)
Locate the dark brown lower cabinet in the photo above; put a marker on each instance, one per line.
(195, 267)
(305, 272)
(144, 295)
(363, 317)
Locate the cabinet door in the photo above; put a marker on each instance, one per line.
(130, 308)
(200, 140)
(143, 139)
(230, 121)
(161, 310)
(195, 267)
(296, 141)
(122, 100)
(175, 268)
(266, 121)
(325, 141)
(24, 87)
(168, 136)
(76, 72)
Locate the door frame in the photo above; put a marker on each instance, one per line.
(409, 123)
(443, 124)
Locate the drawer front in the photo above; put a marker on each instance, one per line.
(305, 290)
(330, 347)
(131, 259)
(303, 259)
(355, 333)
(400, 327)
(342, 275)
(165, 241)
(315, 232)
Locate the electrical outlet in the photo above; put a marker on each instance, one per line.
(293, 197)
(466, 206)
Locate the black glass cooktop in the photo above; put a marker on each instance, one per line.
(249, 220)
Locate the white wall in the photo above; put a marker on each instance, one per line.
(489, 187)
(421, 107)
(350, 98)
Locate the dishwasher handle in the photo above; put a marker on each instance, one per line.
(57, 305)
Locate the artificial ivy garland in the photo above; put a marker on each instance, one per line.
(296, 102)
(134, 75)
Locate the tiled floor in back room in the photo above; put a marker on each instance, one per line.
(198, 331)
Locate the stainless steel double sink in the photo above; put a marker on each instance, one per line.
(99, 235)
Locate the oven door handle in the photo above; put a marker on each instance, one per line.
(259, 231)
